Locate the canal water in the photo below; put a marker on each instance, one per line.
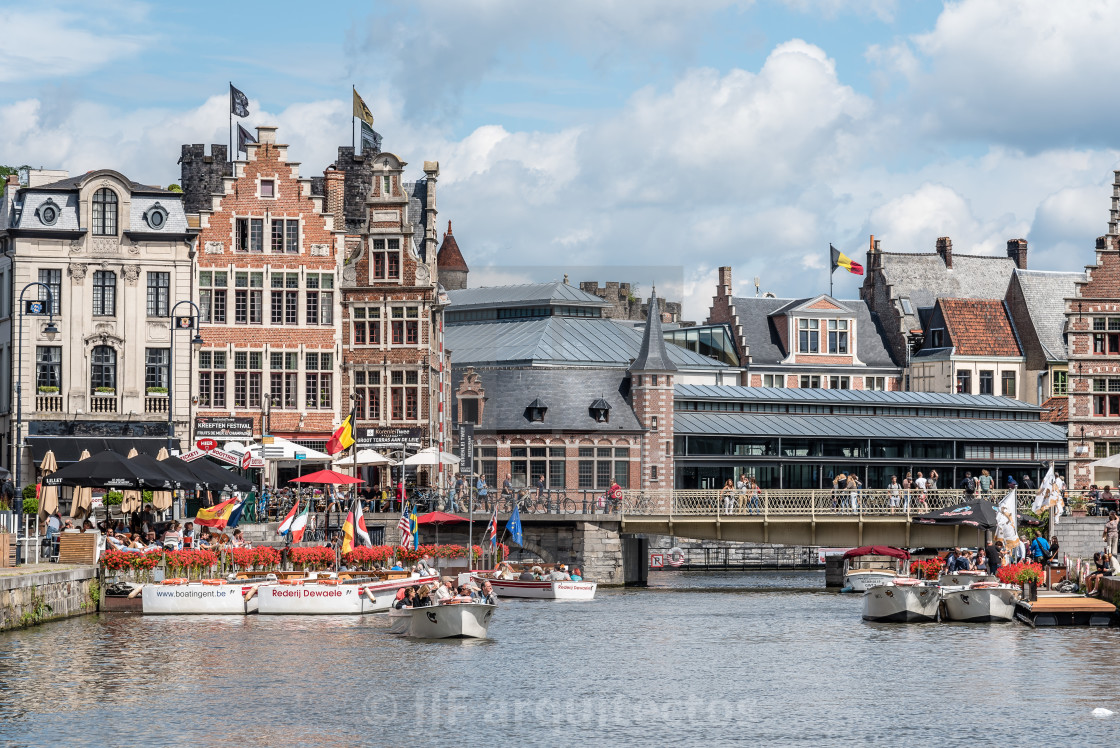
(748, 658)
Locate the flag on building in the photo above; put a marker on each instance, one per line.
(244, 137)
(492, 528)
(286, 525)
(299, 524)
(1049, 496)
(361, 111)
(238, 102)
(513, 526)
(371, 140)
(216, 516)
(405, 526)
(343, 438)
(841, 260)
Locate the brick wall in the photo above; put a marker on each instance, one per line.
(655, 401)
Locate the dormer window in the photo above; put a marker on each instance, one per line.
(48, 212)
(937, 338)
(600, 410)
(156, 217)
(535, 411)
(468, 410)
(838, 336)
(105, 212)
(808, 336)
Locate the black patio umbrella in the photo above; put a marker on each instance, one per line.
(214, 478)
(977, 513)
(179, 478)
(109, 470)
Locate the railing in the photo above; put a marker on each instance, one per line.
(103, 404)
(740, 557)
(48, 403)
(155, 403)
(808, 503)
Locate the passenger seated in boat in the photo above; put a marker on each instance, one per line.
(560, 574)
(463, 595)
(964, 563)
(173, 538)
(577, 575)
(486, 594)
(114, 541)
(1093, 582)
(505, 571)
(423, 596)
(204, 542)
(424, 567)
(446, 590)
(405, 598)
(526, 576)
(188, 535)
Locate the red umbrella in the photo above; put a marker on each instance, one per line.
(326, 476)
(439, 518)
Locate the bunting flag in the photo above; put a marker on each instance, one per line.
(514, 526)
(244, 137)
(216, 516)
(841, 260)
(299, 524)
(238, 102)
(361, 111)
(343, 438)
(286, 525)
(405, 526)
(371, 140)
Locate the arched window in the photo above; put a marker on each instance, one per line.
(103, 370)
(105, 212)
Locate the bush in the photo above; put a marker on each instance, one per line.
(31, 506)
(29, 492)
(157, 390)
(146, 497)
(114, 498)
(48, 390)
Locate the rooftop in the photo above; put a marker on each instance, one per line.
(449, 257)
(529, 294)
(853, 397)
(979, 327)
(1045, 294)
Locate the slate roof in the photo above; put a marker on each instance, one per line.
(849, 397)
(583, 341)
(1045, 293)
(176, 215)
(67, 214)
(924, 279)
(529, 294)
(567, 392)
(73, 183)
(865, 427)
(765, 345)
(979, 327)
(653, 356)
(449, 257)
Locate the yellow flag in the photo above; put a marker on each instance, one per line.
(361, 111)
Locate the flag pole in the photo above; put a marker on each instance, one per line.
(831, 270)
(230, 154)
(353, 139)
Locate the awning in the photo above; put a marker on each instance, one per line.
(877, 550)
(68, 449)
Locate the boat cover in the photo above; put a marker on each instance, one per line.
(877, 550)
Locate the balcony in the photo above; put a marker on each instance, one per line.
(155, 403)
(48, 403)
(103, 402)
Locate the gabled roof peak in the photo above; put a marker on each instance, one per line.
(652, 356)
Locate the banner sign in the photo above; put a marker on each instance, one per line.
(386, 436)
(246, 460)
(224, 456)
(223, 427)
(466, 449)
(207, 444)
(194, 454)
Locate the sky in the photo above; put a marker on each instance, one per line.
(643, 141)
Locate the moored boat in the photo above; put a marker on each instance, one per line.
(872, 565)
(982, 602)
(452, 621)
(324, 596)
(904, 600)
(544, 589)
(206, 597)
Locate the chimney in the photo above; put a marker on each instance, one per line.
(13, 181)
(945, 249)
(724, 288)
(1017, 251)
(334, 188)
(874, 256)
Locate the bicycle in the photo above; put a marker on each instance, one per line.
(554, 501)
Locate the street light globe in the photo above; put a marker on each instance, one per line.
(51, 328)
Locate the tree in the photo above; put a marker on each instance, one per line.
(7, 170)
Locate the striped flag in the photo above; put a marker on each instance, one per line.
(299, 524)
(286, 525)
(354, 531)
(492, 528)
(405, 526)
(841, 260)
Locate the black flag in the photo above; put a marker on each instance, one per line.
(371, 139)
(244, 137)
(238, 102)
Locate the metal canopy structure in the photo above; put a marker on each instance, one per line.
(851, 397)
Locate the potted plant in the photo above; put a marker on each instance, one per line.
(48, 390)
(157, 390)
(104, 391)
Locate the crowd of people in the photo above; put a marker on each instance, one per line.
(445, 593)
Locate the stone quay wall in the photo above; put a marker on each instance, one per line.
(1080, 537)
(29, 599)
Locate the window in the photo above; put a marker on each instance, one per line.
(283, 379)
(653, 472)
(53, 280)
(318, 378)
(1007, 384)
(212, 379)
(1061, 382)
(773, 380)
(987, 383)
(103, 370)
(156, 361)
(1106, 336)
(247, 367)
(367, 387)
(808, 335)
(285, 236)
(653, 423)
(838, 336)
(937, 337)
(386, 255)
(212, 296)
(104, 293)
(105, 212)
(386, 186)
(404, 395)
(1105, 449)
(486, 458)
(159, 294)
(964, 382)
(48, 367)
(839, 383)
(268, 188)
(810, 381)
(366, 325)
(875, 383)
(468, 410)
(319, 305)
(405, 325)
(250, 235)
(247, 299)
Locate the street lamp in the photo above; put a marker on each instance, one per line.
(35, 307)
(178, 323)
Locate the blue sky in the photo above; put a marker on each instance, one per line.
(670, 136)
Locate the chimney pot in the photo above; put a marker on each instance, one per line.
(1017, 251)
(724, 281)
(945, 249)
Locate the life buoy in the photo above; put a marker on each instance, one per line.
(676, 557)
(174, 581)
(328, 581)
(213, 582)
(291, 581)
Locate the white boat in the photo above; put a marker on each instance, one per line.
(872, 565)
(209, 597)
(542, 590)
(981, 603)
(333, 596)
(452, 621)
(962, 579)
(904, 600)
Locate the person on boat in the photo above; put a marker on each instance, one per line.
(505, 571)
(406, 599)
(560, 574)
(188, 535)
(577, 575)
(994, 553)
(424, 566)
(239, 539)
(982, 561)
(396, 566)
(423, 596)
(486, 594)
(527, 576)
(112, 540)
(1054, 550)
(951, 561)
(445, 591)
(204, 543)
(964, 562)
(1103, 562)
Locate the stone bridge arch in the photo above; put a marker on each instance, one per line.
(531, 545)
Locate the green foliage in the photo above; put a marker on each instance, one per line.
(31, 506)
(113, 498)
(157, 390)
(5, 171)
(106, 390)
(174, 187)
(48, 390)
(94, 592)
(28, 492)
(146, 496)
(37, 610)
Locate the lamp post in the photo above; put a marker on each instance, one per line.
(178, 323)
(36, 308)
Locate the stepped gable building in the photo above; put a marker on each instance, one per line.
(1037, 302)
(267, 281)
(898, 285)
(392, 341)
(116, 255)
(813, 342)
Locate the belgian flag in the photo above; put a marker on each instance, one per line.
(343, 438)
(841, 260)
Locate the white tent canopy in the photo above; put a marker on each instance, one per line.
(289, 450)
(364, 457)
(1107, 462)
(432, 456)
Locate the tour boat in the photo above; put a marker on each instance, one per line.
(962, 579)
(872, 565)
(904, 600)
(206, 597)
(982, 602)
(450, 621)
(543, 590)
(328, 596)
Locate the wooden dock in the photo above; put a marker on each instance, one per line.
(1066, 610)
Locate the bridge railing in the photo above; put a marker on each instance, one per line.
(801, 502)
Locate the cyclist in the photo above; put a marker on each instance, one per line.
(614, 496)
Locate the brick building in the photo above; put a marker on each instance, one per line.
(267, 285)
